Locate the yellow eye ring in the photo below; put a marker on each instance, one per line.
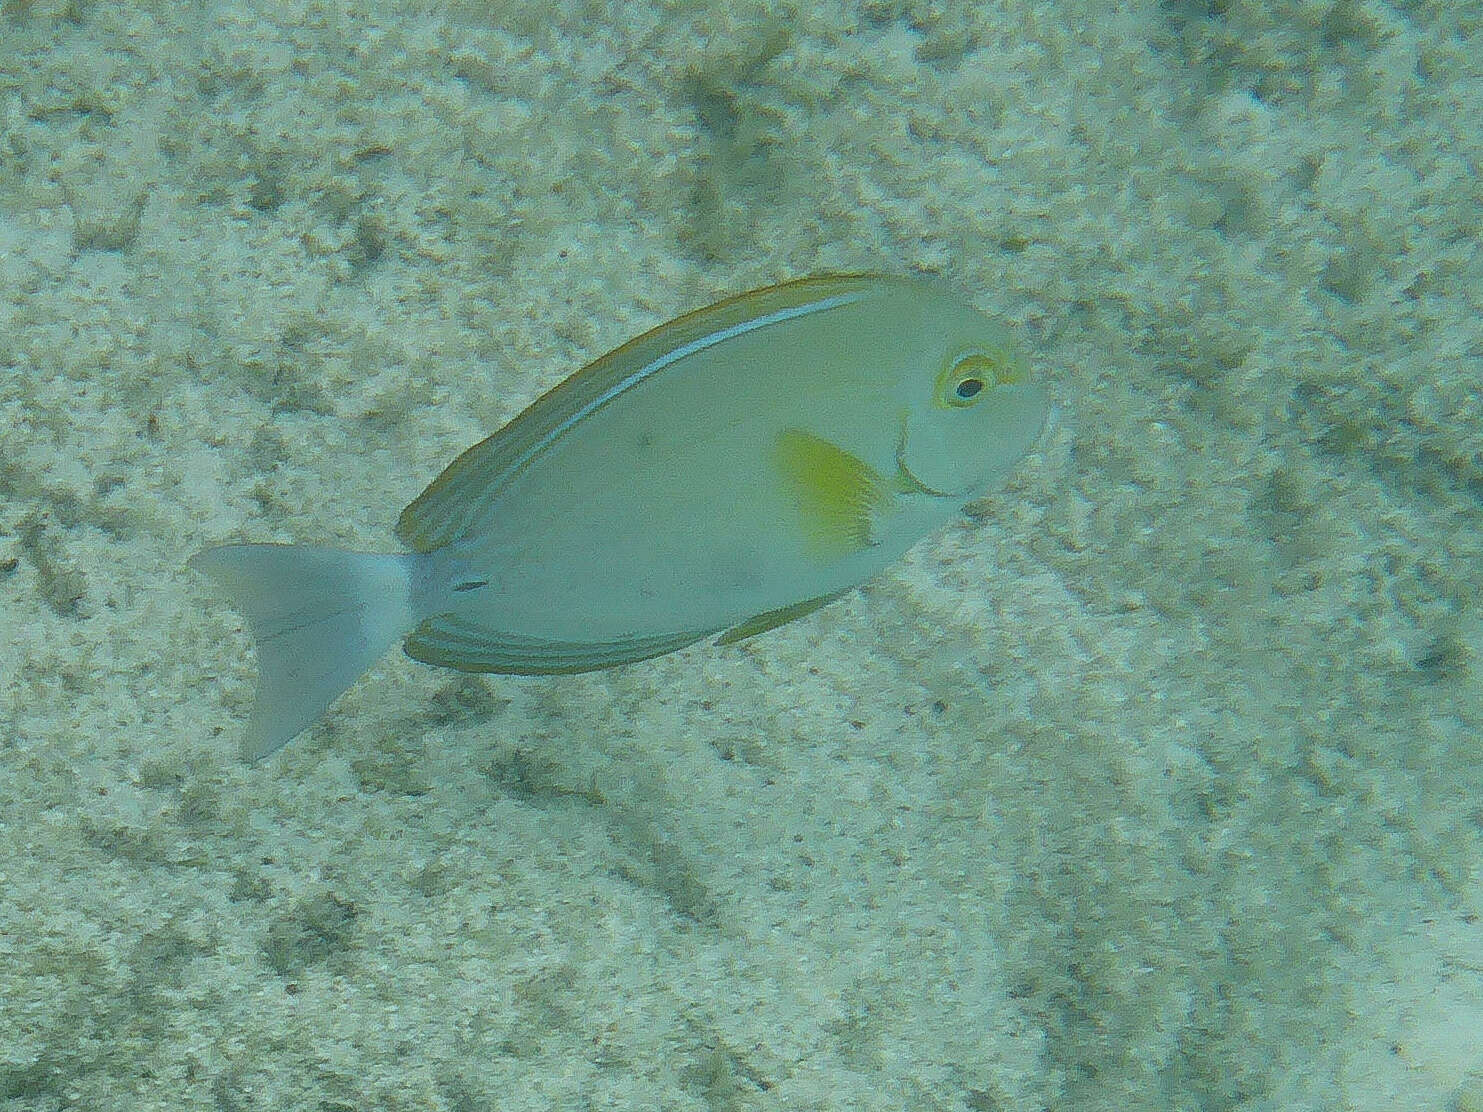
(966, 380)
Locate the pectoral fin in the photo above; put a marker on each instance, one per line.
(839, 496)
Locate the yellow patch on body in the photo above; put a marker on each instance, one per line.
(839, 496)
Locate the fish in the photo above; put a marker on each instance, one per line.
(723, 474)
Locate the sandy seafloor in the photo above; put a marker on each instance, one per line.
(1155, 784)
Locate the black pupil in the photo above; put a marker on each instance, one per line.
(970, 387)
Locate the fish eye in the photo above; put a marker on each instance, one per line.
(966, 381)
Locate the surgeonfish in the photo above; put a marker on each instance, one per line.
(732, 470)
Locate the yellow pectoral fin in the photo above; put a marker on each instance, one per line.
(839, 496)
(771, 619)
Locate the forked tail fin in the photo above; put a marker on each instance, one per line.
(319, 616)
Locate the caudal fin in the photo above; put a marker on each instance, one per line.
(320, 617)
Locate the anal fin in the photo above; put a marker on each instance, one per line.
(446, 641)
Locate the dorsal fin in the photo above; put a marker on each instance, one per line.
(457, 497)
(458, 500)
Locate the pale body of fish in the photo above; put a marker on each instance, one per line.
(724, 473)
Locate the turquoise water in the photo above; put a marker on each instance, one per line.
(1153, 784)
